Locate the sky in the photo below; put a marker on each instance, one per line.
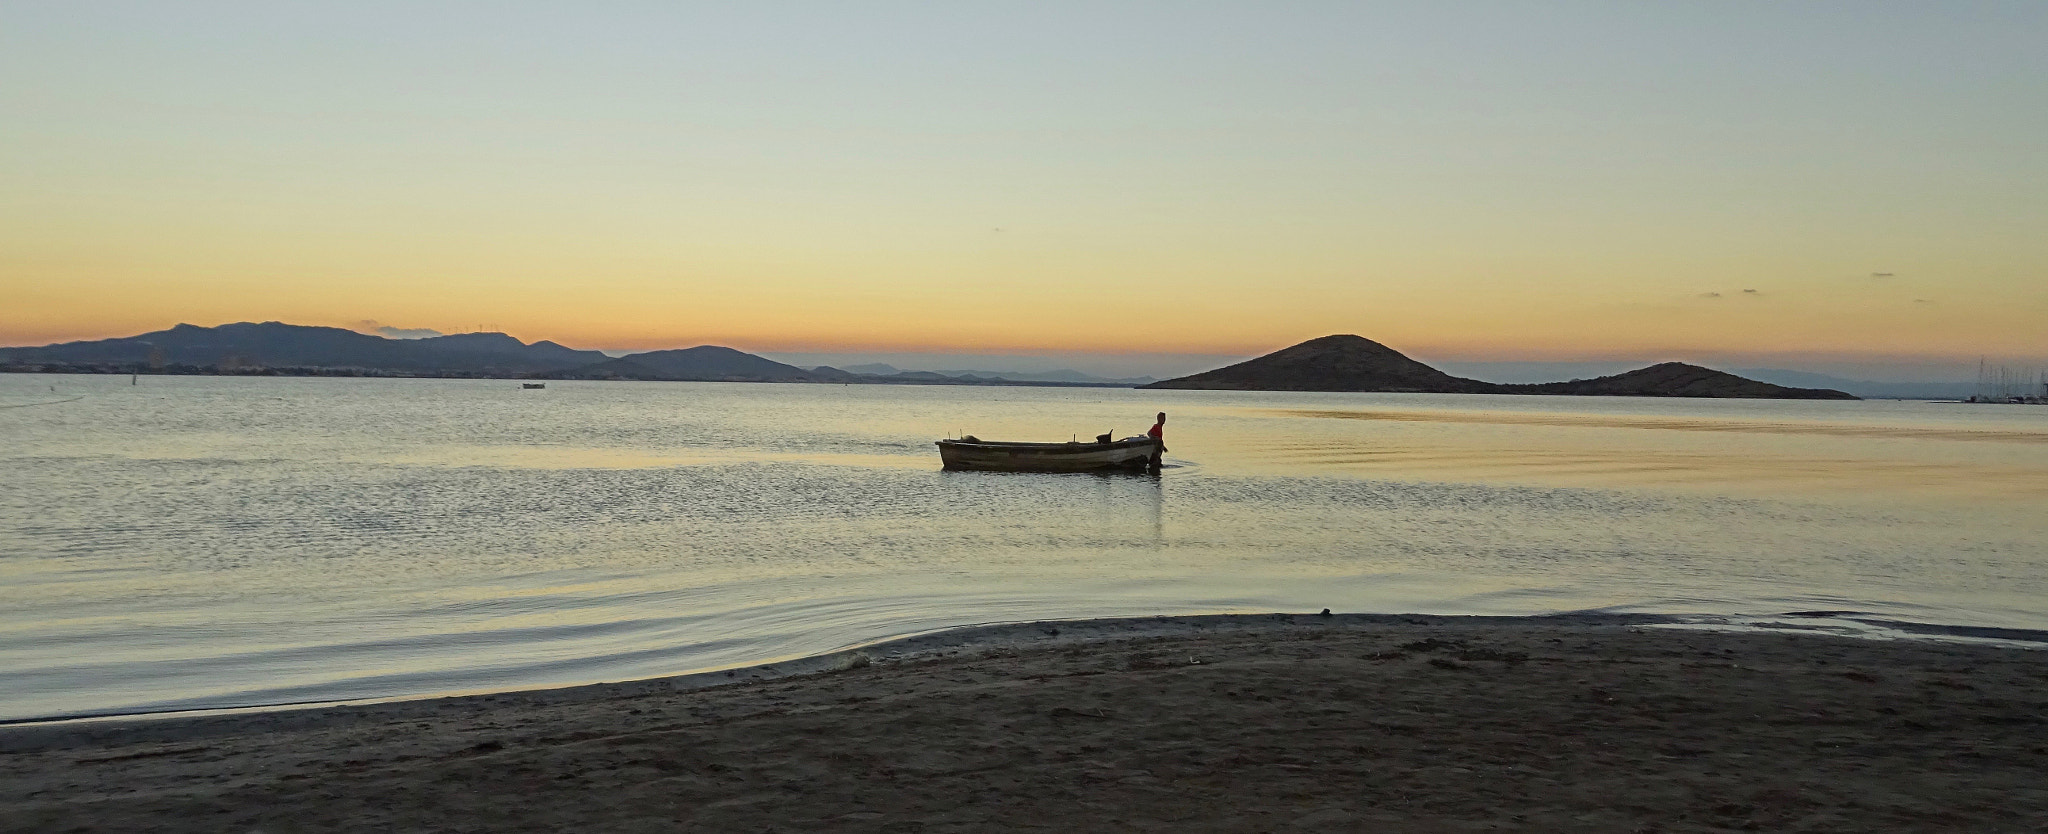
(1838, 184)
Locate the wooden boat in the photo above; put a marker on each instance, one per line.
(974, 453)
(533, 385)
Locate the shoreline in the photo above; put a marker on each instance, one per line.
(983, 637)
(1589, 722)
(922, 645)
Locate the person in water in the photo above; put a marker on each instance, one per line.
(1158, 432)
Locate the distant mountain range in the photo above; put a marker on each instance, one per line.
(1331, 363)
(1355, 363)
(1061, 375)
(248, 347)
(706, 363)
(278, 348)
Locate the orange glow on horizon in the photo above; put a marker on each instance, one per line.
(1457, 341)
(672, 175)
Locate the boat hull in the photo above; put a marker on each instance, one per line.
(1047, 457)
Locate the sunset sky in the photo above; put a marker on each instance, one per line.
(1544, 181)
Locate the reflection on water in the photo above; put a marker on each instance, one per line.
(1882, 450)
(195, 541)
(1956, 478)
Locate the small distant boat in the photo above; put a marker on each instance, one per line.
(533, 385)
(974, 453)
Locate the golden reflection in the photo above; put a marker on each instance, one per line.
(1638, 467)
(527, 457)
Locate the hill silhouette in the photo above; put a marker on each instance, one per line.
(1331, 363)
(270, 344)
(276, 348)
(704, 363)
(1678, 379)
(1355, 363)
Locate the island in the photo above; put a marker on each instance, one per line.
(1357, 364)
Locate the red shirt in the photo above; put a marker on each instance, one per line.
(1158, 431)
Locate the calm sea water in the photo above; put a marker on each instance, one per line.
(204, 542)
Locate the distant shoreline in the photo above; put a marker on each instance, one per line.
(1051, 633)
(1348, 362)
(374, 373)
(371, 373)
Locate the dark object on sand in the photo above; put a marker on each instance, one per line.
(971, 453)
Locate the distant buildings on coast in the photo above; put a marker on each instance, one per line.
(2003, 384)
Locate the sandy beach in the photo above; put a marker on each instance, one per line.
(1228, 723)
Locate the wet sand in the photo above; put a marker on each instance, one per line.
(1247, 723)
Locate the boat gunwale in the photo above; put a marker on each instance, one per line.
(1072, 456)
(1076, 447)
